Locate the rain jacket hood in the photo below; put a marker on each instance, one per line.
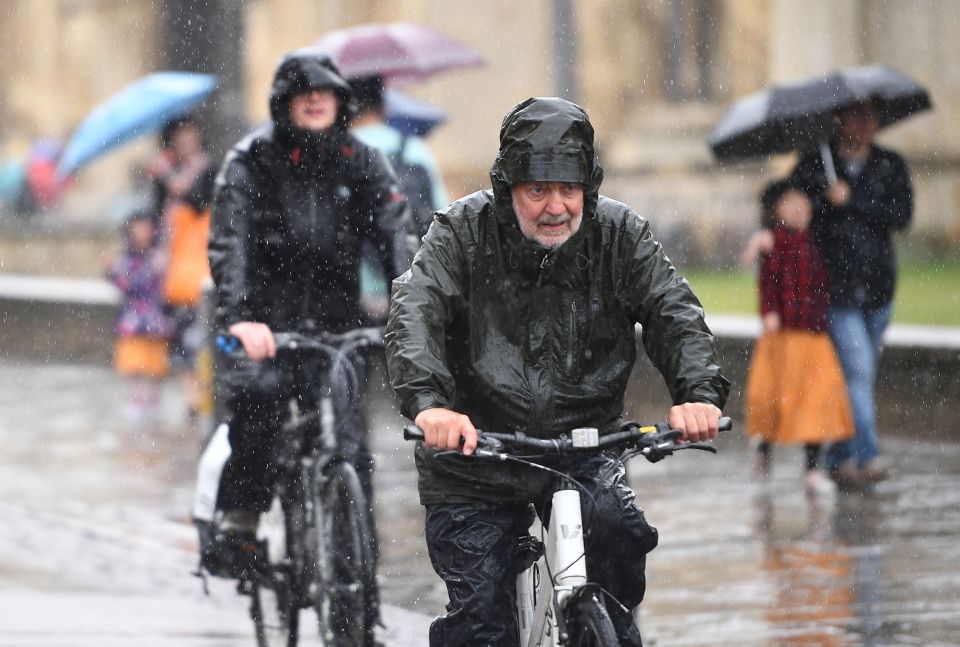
(545, 139)
(302, 70)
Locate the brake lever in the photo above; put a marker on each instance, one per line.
(707, 447)
(487, 447)
(665, 436)
(665, 446)
(658, 451)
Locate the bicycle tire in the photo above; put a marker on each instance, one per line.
(589, 624)
(344, 581)
(275, 607)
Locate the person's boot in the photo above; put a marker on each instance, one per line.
(875, 470)
(229, 549)
(816, 484)
(846, 476)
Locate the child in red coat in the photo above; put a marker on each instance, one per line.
(795, 390)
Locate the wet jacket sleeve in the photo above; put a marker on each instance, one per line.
(424, 302)
(391, 228)
(885, 200)
(228, 247)
(675, 334)
(888, 202)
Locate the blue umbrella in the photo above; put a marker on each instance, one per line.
(411, 116)
(140, 108)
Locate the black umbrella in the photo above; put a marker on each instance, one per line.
(787, 117)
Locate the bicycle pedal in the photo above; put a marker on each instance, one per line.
(234, 555)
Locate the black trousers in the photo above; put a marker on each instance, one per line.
(474, 548)
(256, 395)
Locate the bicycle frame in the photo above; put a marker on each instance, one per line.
(313, 469)
(565, 560)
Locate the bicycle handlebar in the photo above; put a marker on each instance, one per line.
(654, 442)
(287, 341)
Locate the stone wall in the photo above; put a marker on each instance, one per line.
(911, 379)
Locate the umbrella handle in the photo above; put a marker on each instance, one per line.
(828, 167)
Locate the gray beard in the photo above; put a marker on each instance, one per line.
(544, 220)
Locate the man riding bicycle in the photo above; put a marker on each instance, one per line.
(294, 202)
(519, 314)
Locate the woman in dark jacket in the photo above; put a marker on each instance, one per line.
(293, 204)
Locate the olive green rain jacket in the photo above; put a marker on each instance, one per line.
(519, 337)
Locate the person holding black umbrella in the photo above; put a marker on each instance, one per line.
(856, 212)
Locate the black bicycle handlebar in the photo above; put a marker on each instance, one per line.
(287, 341)
(654, 442)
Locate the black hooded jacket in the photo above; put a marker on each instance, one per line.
(291, 211)
(519, 337)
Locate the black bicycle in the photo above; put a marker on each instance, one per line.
(566, 608)
(316, 545)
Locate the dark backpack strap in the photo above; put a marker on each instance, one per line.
(396, 158)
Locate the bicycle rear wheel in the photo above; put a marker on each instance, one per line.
(275, 607)
(345, 584)
(589, 624)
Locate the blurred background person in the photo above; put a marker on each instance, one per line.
(408, 154)
(182, 171)
(141, 328)
(795, 390)
(183, 193)
(415, 166)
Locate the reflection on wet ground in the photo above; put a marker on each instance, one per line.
(96, 548)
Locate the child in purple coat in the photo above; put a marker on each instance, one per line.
(142, 328)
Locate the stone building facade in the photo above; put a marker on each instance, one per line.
(655, 76)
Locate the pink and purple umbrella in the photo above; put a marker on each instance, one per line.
(399, 52)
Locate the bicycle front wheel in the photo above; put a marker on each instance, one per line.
(345, 584)
(589, 624)
(275, 608)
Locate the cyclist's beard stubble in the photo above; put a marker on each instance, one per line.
(545, 230)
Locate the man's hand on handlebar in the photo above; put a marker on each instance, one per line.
(444, 429)
(699, 421)
(256, 338)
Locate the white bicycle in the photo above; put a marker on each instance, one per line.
(567, 609)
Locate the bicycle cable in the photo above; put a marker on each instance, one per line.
(563, 477)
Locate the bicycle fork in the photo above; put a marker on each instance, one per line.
(566, 565)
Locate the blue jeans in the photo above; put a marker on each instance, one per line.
(857, 335)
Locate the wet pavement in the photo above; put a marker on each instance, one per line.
(96, 547)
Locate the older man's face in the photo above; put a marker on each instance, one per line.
(548, 212)
(314, 109)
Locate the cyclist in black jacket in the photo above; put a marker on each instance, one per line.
(294, 202)
(519, 314)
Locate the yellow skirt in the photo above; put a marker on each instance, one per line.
(146, 356)
(795, 390)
